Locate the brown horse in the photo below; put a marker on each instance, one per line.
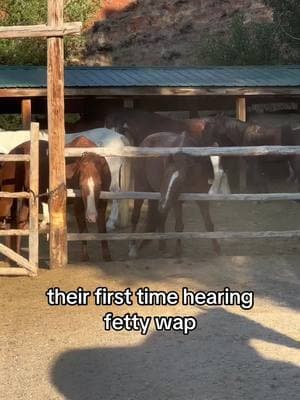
(231, 132)
(170, 176)
(90, 174)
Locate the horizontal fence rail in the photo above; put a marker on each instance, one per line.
(184, 235)
(129, 151)
(15, 195)
(14, 157)
(194, 196)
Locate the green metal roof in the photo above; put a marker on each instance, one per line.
(77, 77)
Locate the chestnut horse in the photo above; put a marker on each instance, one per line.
(90, 174)
(170, 176)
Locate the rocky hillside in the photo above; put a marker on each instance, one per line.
(162, 32)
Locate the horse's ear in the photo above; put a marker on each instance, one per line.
(72, 170)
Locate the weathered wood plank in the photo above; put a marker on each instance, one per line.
(56, 129)
(17, 258)
(109, 92)
(34, 31)
(15, 195)
(34, 202)
(129, 151)
(241, 109)
(11, 271)
(183, 235)
(195, 196)
(14, 232)
(26, 113)
(15, 157)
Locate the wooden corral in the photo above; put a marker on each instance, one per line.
(54, 31)
(195, 151)
(27, 267)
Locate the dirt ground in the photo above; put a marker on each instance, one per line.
(64, 352)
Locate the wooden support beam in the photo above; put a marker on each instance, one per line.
(241, 109)
(34, 201)
(56, 129)
(34, 31)
(26, 113)
(241, 115)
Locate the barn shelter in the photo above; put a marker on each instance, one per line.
(93, 91)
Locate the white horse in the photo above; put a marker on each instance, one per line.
(103, 137)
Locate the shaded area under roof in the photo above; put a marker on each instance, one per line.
(92, 77)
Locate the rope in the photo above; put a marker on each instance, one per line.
(47, 194)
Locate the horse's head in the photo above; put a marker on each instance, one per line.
(89, 174)
(175, 172)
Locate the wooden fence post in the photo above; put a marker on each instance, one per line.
(56, 128)
(241, 114)
(33, 202)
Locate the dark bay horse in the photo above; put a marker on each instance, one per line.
(170, 176)
(292, 138)
(14, 177)
(90, 174)
(232, 132)
(136, 125)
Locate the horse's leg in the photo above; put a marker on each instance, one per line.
(114, 211)
(82, 226)
(152, 220)
(21, 219)
(132, 251)
(178, 226)
(204, 209)
(46, 219)
(102, 229)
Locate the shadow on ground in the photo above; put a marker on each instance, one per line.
(217, 361)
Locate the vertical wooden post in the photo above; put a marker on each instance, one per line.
(56, 128)
(26, 113)
(126, 179)
(33, 202)
(241, 114)
(241, 109)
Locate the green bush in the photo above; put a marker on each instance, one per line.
(251, 44)
(31, 12)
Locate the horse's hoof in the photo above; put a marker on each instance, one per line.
(132, 253)
(218, 251)
(110, 227)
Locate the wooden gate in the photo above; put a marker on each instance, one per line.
(25, 266)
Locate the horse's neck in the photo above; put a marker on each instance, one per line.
(235, 130)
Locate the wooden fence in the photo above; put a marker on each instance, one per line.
(132, 152)
(30, 266)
